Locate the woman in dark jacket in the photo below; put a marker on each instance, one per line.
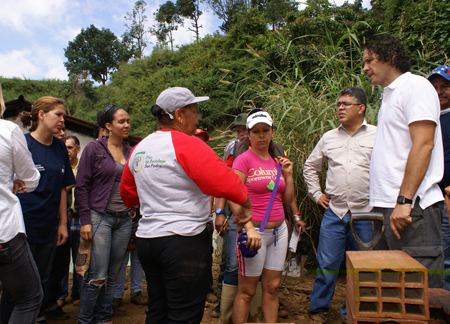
(104, 218)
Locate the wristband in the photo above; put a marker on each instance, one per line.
(297, 217)
(220, 211)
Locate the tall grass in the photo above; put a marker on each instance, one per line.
(304, 110)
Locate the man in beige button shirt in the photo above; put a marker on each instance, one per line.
(348, 149)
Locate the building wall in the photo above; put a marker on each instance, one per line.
(84, 139)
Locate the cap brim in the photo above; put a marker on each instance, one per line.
(198, 99)
(254, 122)
(445, 76)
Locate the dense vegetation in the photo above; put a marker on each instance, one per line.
(294, 71)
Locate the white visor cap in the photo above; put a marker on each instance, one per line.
(259, 117)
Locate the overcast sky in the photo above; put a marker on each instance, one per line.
(34, 33)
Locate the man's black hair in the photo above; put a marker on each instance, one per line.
(356, 93)
(75, 140)
(388, 49)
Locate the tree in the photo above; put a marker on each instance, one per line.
(136, 34)
(227, 10)
(168, 20)
(97, 51)
(275, 11)
(191, 10)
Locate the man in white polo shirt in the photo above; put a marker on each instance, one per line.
(407, 157)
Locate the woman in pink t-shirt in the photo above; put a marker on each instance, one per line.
(257, 168)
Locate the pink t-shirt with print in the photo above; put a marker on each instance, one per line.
(259, 174)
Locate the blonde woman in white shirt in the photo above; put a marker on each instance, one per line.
(18, 271)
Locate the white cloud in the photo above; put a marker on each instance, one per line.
(23, 14)
(17, 63)
(35, 63)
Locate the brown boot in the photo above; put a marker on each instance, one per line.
(138, 299)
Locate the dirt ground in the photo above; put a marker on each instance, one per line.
(294, 302)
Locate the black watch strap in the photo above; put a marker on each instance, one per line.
(402, 200)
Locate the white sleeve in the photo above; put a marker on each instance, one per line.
(422, 102)
(24, 167)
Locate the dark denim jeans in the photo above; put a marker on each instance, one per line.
(335, 235)
(135, 275)
(22, 294)
(177, 269)
(231, 269)
(108, 247)
(59, 269)
(77, 281)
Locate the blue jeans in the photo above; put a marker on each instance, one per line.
(74, 238)
(22, 294)
(135, 274)
(446, 245)
(231, 268)
(335, 234)
(108, 247)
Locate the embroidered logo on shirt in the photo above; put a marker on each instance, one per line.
(40, 167)
(138, 161)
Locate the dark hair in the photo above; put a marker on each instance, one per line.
(106, 116)
(45, 104)
(162, 117)
(75, 140)
(356, 93)
(388, 49)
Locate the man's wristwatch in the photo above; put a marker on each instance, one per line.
(402, 200)
(220, 211)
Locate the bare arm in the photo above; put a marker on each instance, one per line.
(422, 137)
(286, 169)
(62, 234)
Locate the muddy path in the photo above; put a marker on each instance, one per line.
(294, 302)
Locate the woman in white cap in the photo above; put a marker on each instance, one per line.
(257, 168)
(171, 174)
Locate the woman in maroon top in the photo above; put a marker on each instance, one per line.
(104, 218)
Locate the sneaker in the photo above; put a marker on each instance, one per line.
(116, 302)
(320, 317)
(57, 314)
(211, 298)
(215, 312)
(75, 295)
(138, 299)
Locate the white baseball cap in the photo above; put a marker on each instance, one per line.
(259, 117)
(177, 97)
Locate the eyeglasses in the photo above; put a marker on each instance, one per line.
(346, 104)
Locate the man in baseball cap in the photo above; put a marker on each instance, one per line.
(440, 79)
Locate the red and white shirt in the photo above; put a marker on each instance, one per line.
(171, 175)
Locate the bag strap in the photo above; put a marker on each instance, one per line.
(272, 198)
